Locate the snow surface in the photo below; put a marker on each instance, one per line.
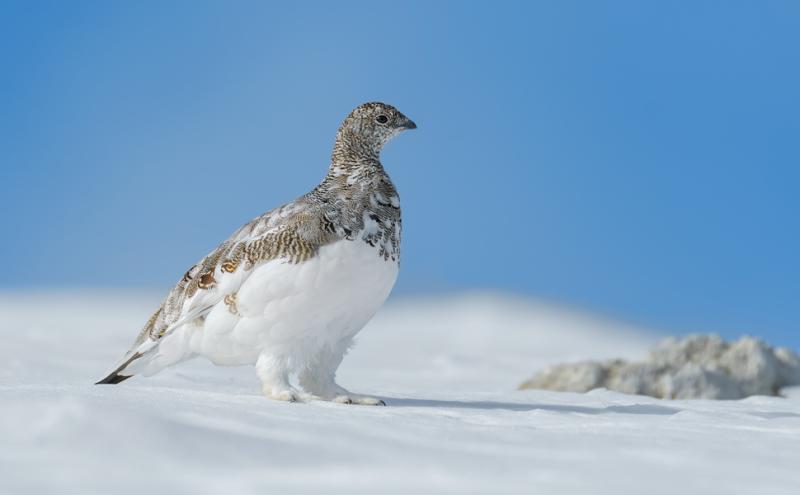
(446, 366)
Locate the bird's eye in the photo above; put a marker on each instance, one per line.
(382, 119)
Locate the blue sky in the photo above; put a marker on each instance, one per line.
(634, 158)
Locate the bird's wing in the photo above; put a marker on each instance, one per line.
(289, 233)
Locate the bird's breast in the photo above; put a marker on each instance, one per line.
(331, 295)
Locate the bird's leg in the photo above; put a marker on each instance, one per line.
(274, 375)
(319, 378)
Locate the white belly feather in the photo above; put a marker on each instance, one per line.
(297, 309)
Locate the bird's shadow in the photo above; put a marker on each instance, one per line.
(649, 409)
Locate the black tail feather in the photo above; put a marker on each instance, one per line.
(115, 376)
(113, 379)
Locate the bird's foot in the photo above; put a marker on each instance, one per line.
(289, 394)
(285, 394)
(338, 394)
(362, 400)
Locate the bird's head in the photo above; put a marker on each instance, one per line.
(368, 128)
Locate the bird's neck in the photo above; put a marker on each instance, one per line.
(354, 174)
(350, 147)
(355, 169)
(354, 178)
(354, 161)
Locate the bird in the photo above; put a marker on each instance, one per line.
(289, 290)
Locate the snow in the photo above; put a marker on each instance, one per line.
(446, 366)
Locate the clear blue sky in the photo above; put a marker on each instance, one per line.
(636, 158)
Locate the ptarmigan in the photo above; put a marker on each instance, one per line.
(289, 290)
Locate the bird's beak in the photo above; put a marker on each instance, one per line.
(407, 123)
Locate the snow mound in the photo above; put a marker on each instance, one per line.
(695, 367)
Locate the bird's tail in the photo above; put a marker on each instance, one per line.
(113, 379)
(147, 356)
(116, 376)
